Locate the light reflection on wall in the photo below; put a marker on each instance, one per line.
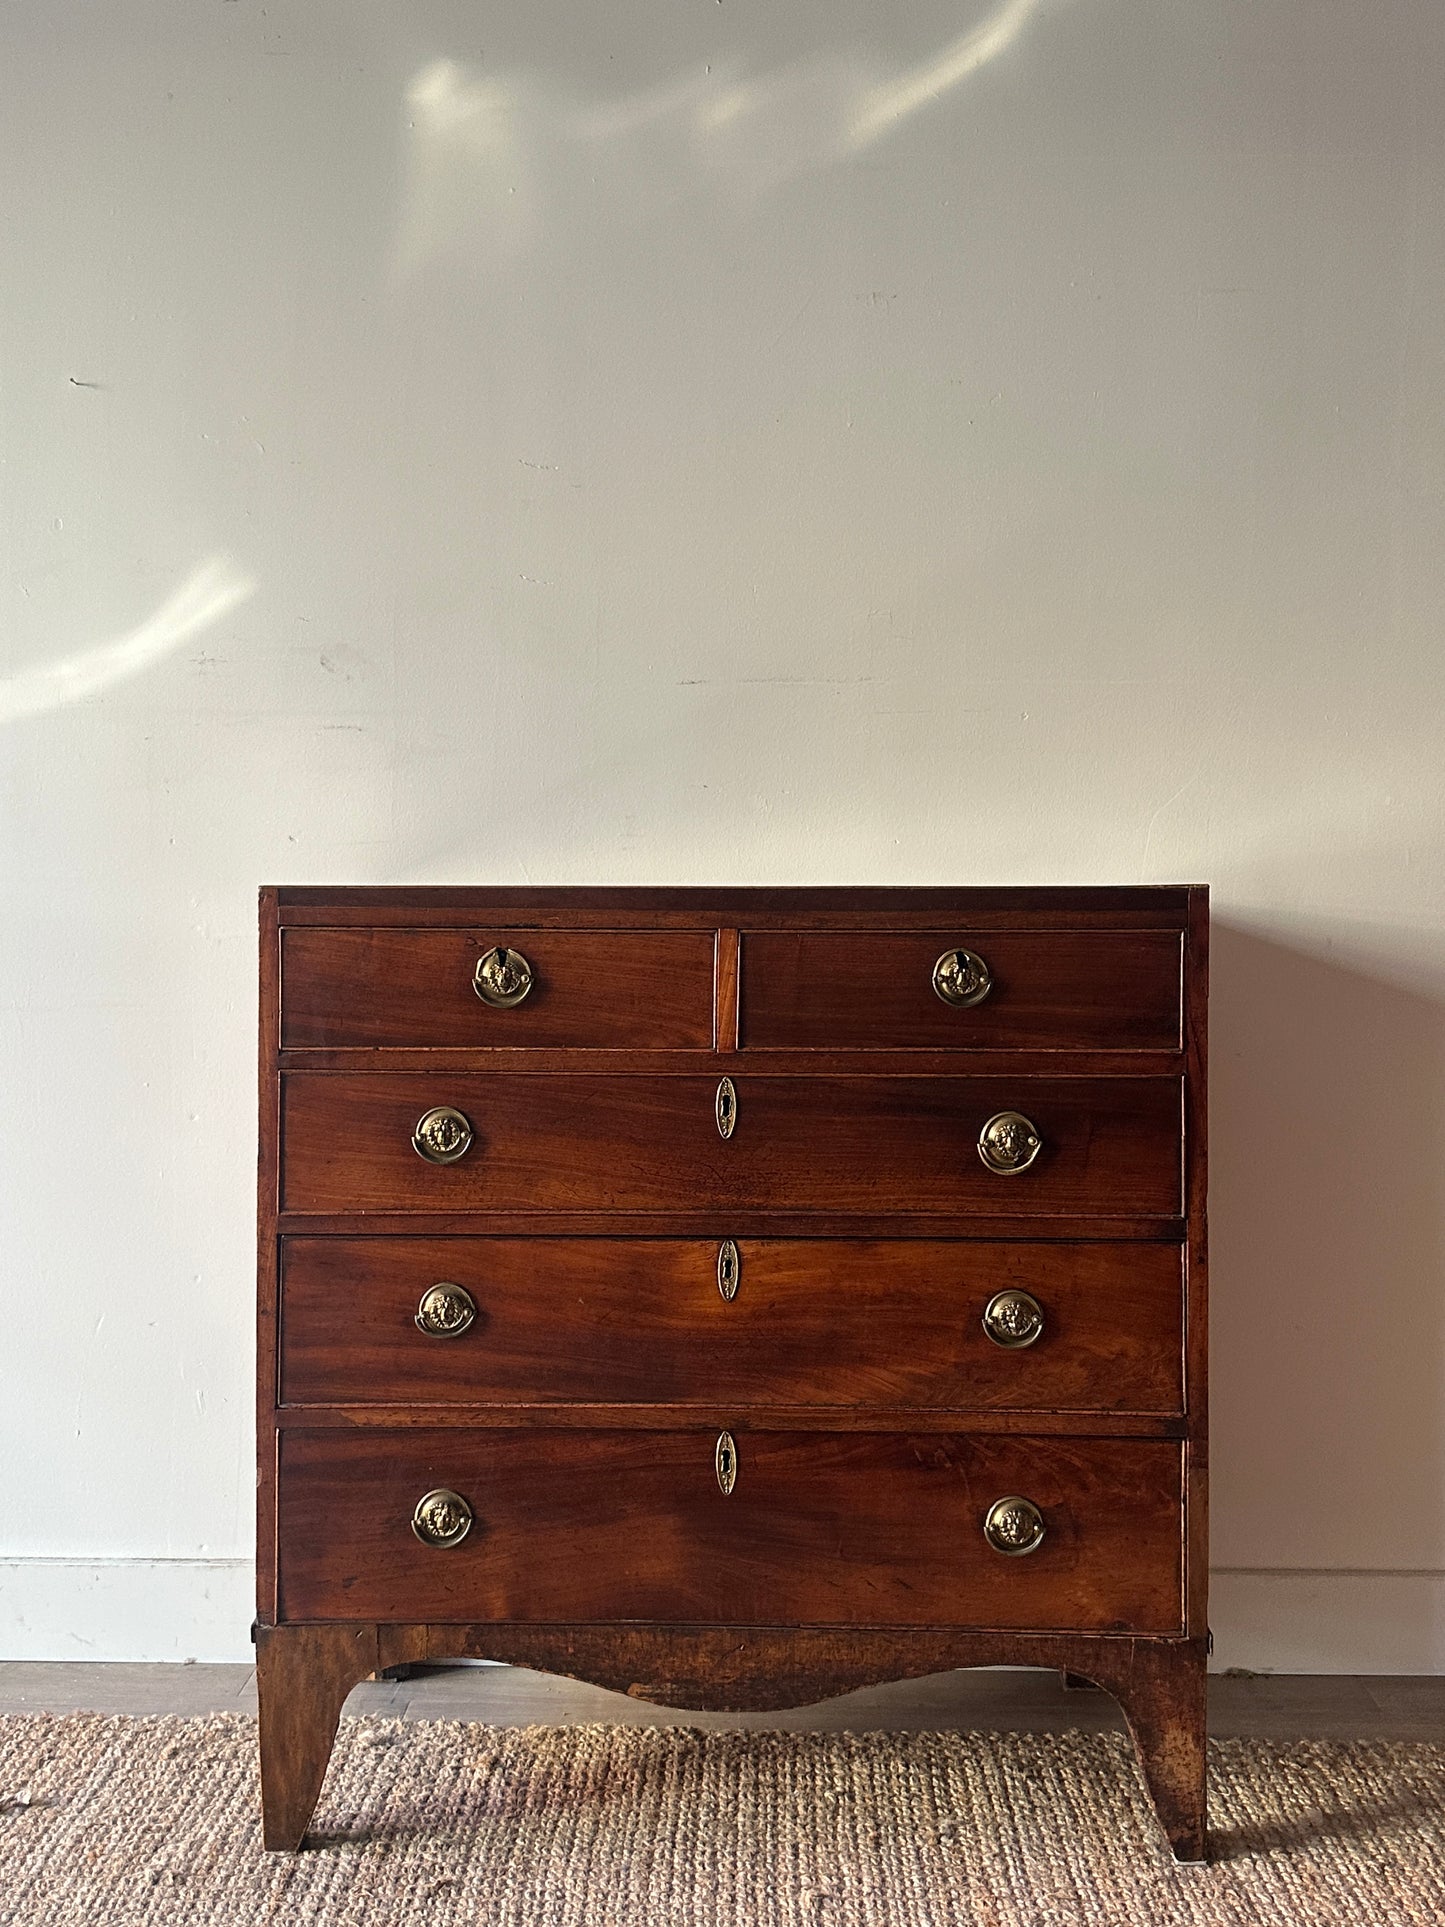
(480, 146)
(463, 162)
(210, 591)
(887, 106)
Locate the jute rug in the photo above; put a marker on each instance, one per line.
(125, 1820)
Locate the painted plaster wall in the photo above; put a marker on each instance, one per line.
(745, 440)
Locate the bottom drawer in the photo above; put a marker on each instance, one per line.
(820, 1528)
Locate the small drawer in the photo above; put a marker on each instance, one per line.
(489, 989)
(817, 1528)
(751, 1322)
(950, 990)
(593, 1142)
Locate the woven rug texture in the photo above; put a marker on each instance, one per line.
(106, 1821)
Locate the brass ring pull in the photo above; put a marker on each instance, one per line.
(502, 977)
(442, 1135)
(1014, 1526)
(725, 1106)
(1013, 1319)
(446, 1311)
(725, 1462)
(962, 978)
(442, 1518)
(1009, 1143)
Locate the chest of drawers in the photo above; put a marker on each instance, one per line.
(733, 1297)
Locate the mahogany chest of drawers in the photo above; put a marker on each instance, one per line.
(733, 1297)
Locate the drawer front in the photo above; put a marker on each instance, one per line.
(1056, 990)
(591, 1142)
(416, 989)
(819, 1529)
(810, 1322)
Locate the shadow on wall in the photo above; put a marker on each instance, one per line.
(1327, 1207)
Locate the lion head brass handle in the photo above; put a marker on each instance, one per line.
(961, 978)
(442, 1135)
(725, 1107)
(1009, 1143)
(446, 1311)
(442, 1518)
(502, 977)
(1013, 1319)
(1014, 1526)
(725, 1462)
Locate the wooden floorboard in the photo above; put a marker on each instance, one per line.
(1260, 1706)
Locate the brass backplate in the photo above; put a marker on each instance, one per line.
(442, 1517)
(1014, 1526)
(502, 977)
(1013, 1319)
(442, 1135)
(961, 978)
(1009, 1143)
(446, 1311)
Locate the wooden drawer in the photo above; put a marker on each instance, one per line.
(811, 1323)
(413, 989)
(820, 1529)
(592, 1142)
(1054, 990)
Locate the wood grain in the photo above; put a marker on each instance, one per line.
(874, 1422)
(813, 1323)
(1196, 1368)
(725, 1023)
(1160, 905)
(639, 1417)
(592, 1142)
(1055, 990)
(593, 989)
(823, 1528)
(268, 1158)
(1063, 1227)
(303, 1674)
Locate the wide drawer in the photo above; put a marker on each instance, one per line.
(1034, 990)
(819, 1529)
(416, 989)
(592, 1142)
(810, 1322)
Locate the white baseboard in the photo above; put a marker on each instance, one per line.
(129, 1609)
(1328, 1622)
(201, 1609)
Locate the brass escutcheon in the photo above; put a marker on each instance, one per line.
(725, 1462)
(446, 1311)
(1009, 1143)
(442, 1135)
(729, 1269)
(442, 1518)
(726, 1107)
(1014, 1526)
(1013, 1319)
(961, 978)
(502, 977)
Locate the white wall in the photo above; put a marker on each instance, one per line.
(719, 440)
